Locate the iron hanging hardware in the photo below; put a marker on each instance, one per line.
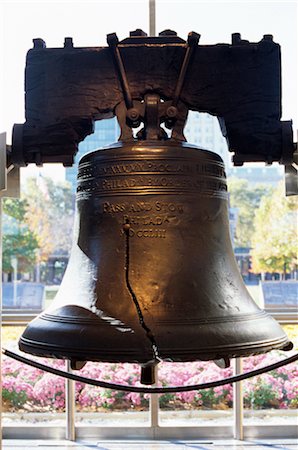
(172, 111)
(132, 113)
(169, 111)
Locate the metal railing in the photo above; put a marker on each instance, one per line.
(154, 429)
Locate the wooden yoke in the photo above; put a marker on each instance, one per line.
(68, 88)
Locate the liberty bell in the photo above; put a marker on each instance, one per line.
(152, 275)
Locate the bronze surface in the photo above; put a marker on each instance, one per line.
(152, 272)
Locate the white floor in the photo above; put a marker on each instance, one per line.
(261, 444)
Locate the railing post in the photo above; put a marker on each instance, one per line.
(70, 406)
(238, 401)
(154, 403)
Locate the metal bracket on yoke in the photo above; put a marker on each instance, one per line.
(151, 111)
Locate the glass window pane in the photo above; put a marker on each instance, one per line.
(106, 132)
(208, 407)
(216, 21)
(32, 277)
(203, 130)
(30, 396)
(36, 247)
(105, 407)
(272, 398)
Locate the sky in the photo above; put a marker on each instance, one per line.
(89, 21)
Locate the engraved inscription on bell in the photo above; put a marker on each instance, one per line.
(162, 175)
(147, 219)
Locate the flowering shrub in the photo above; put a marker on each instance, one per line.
(277, 389)
(24, 386)
(15, 392)
(50, 391)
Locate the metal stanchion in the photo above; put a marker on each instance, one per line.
(238, 401)
(154, 404)
(70, 406)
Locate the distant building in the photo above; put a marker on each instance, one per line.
(106, 132)
(203, 130)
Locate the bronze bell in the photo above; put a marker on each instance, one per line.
(152, 273)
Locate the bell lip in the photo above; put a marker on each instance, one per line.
(166, 355)
(35, 341)
(142, 146)
(55, 352)
(231, 351)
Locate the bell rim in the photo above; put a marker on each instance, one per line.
(166, 355)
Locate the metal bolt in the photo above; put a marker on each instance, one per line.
(168, 33)
(193, 38)
(39, 43)
(112, 40)
(68, 42)
(172, 112)
(126, 227)
(133, 114)
(236, 38)
(38, 159)
(137, 32)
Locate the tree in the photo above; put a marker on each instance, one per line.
(246, 199)
(37, 218)
(50, 215)
(18, 240)
(61, 214)
(274, 240)
(37, 225)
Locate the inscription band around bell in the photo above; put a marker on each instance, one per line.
(152, 274)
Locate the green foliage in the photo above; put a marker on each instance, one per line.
(208, 398)
(38, 224)
(274, 239)
(50, 214)
(15, 399)
(15, 208)
(18, 241)
(262, 396)
(165, 400)
(246, 199)
(23, 246)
